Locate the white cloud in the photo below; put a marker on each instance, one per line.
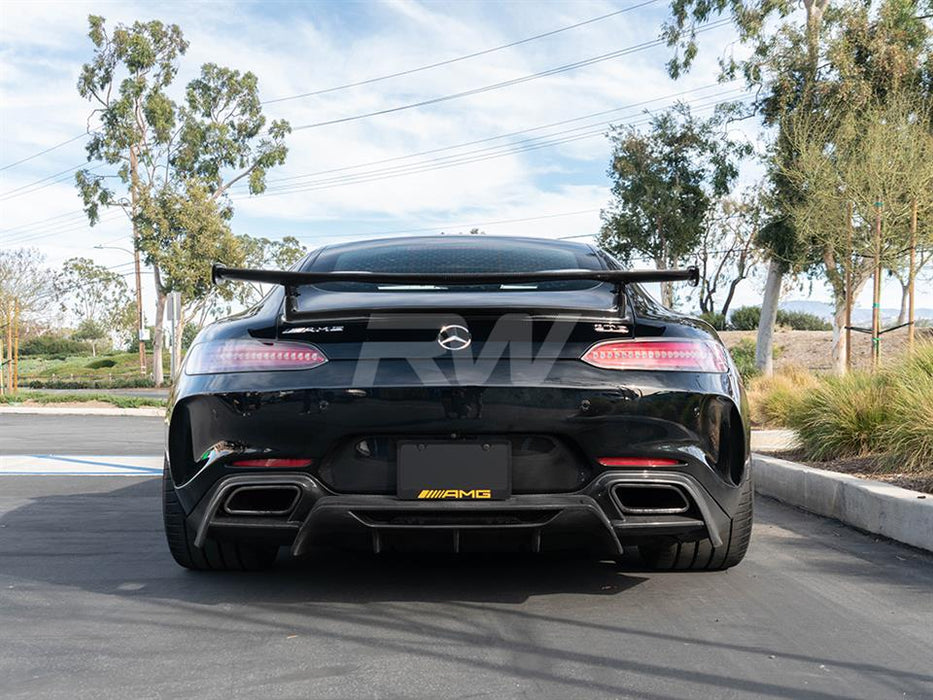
(296, 48)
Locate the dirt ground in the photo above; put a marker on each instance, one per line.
(813, 349)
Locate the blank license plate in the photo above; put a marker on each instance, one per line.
(454, 471)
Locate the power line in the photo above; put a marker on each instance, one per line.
(395, 75)
(478, 155)
(32, 224)
(502, 136)
(13, 194)
(62, 229)
(43, 230)
(472, 224)
(507, 83)
(42, 153)
(450, 61)
(3, 195)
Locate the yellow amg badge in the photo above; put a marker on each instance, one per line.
(455, 493)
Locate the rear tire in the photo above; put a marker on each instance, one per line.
(214, 555)
(702, 555)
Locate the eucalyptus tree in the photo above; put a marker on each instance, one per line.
(665, 181)
(262, 252)
(832, 61)
(96, 296)
(171, 156)
(24, 277)
(727, 252)
(781, 67)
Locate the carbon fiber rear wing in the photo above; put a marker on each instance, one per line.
(291, 279)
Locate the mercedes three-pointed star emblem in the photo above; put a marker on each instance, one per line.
(454, 337)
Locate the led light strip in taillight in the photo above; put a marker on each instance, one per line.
(251, 355)
(658, 355)
(280, 462)
(638, 462)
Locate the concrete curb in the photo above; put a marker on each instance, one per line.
(83, 411)
(873, 506)
(774, 440)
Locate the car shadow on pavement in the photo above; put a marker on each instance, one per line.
(470, 610)
(113, 542)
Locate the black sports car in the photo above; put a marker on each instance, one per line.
(459, 393)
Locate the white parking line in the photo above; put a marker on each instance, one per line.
(79, 465)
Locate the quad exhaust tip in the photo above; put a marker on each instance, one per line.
(650, 499)
(258, 500)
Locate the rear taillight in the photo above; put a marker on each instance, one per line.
(659, 355)
(638, 462)
(285, 462)
(220, 356)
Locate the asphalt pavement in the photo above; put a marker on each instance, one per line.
(91, 605)
(81, 435)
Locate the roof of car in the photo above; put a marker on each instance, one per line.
(460, 239)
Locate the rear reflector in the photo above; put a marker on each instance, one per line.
(250, 355)
(659, 355)
(638, 462)
(272, 463)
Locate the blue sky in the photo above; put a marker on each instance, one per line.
(549, 190)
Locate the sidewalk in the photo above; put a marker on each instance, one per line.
(52, 410)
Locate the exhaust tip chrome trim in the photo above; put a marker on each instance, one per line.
(630, 509)
(296, 490)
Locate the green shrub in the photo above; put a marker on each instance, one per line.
(801, 321)
(842, 416)
(907, 436)
(745, 318)
(743, 354)
(81, 383)
(49, 344)
(102, 363)
(717, 321)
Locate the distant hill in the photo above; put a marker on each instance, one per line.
(859, 315)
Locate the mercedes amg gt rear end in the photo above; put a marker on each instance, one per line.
(457, 393)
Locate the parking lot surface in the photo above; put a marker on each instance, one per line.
(91, 605)
(81, 435)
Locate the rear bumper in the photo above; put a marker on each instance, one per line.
(557, 495)
(590, 518)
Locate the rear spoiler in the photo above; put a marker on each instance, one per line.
(291, 279)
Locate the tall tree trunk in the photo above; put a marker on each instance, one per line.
(179, 333)
(728, 302)
(764, 349)
(859, 279)
(839, 336)
(905, 297)
(158, 377)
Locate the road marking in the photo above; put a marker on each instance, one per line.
(80, 465)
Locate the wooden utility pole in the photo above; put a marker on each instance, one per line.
(5, 327)
(9, 347)
(134, 185)
(849, 286)
(876, 295)
(911, 274)
(15, 369)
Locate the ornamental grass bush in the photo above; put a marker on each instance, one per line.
(888, 414)
(907, 435)
(773, 400)
(842, 416)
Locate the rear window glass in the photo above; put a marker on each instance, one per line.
(457, 255)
